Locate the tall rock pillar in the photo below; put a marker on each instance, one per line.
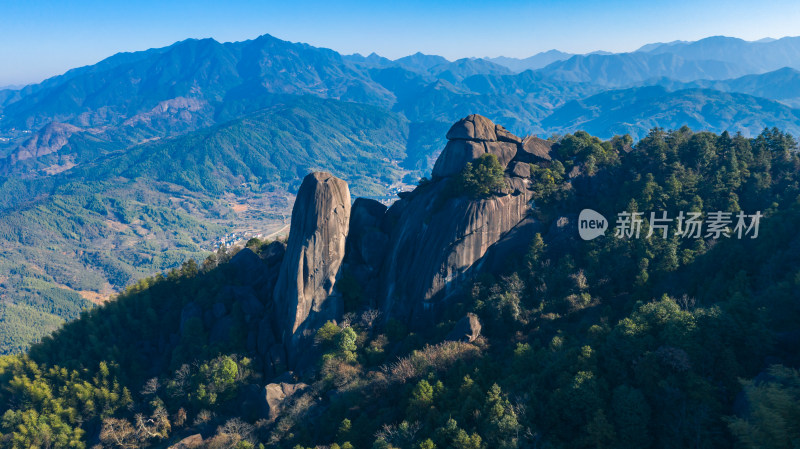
(304, 293)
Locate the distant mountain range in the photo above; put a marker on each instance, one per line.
(628, 68)
(781, 85)
(760, 56)
(534, 62)
(196, 83)
(752, 57)
(633, 111)
(98, 163)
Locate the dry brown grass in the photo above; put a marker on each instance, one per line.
(437, 357)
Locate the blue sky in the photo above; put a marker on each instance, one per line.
(39, 39)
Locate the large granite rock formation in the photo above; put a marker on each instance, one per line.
(432, 239)
(366, 245)
(407, 260)
(471, 137)
(304, 295)
(435, 244)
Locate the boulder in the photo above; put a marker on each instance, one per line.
(505, 151)
(470, 138)
(520, 169)
(304, 294)
(275, 396)
(534, 149)
(365, 240)
(466, 330)
(366, 213)
(503, 135)
(472, 127)
(455, 156)
(273, 253)
(285, 377)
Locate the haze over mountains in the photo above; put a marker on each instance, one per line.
(113, 171)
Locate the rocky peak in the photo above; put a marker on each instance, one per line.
(435, 240)
(471, 137)
(473, 127)
(304, 295)
(408, 259)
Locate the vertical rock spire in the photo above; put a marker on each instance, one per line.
(304, 293)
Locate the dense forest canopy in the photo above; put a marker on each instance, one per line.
(609, 343)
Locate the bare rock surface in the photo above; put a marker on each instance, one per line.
(304, 294)
(520, 169)
(534, 149)
(466, 330)
(276, 394)
(407, 260)
(473, 127)
(436, 244)
(471, 137)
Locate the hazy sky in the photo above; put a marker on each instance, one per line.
(39, 39)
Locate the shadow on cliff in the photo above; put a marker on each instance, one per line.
(412, 257)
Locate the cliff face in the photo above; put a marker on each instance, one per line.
(407, 259)
(434, 246)
(438, 239)
(304, 295)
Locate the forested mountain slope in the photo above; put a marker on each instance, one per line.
(99, 165)
(613, 342)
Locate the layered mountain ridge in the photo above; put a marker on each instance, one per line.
(102, 161)
(130, 98)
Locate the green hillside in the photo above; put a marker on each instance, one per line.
(616, 342)
(133, 212)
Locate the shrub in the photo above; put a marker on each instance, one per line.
(480, 178)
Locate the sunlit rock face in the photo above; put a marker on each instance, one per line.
(304, 294)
